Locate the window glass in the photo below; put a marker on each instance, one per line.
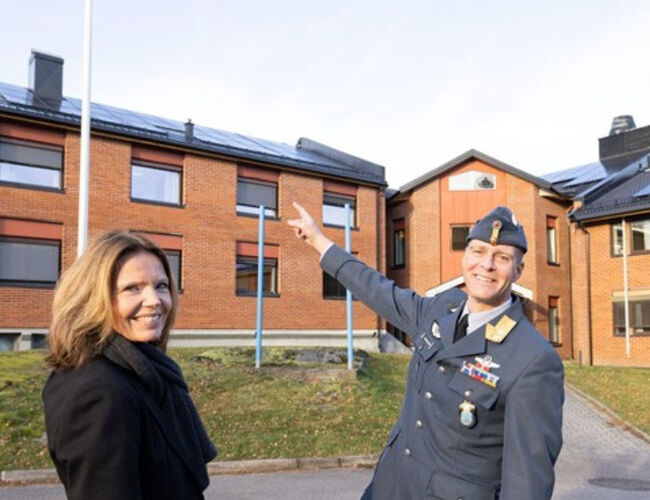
(640, 235)
(174, 259)
(398, 248)
(251, 194)
(553, 321)
(8, 341)
(617, 239)
(27, 262)
(160, 185)
(551, 245)
(639, 317)
(332, 289)
(246, 271)
(30, 164)
(334, 209)
(459, 237)
(38, 341)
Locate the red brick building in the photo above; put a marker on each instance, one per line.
(429, 218)
(193, 190)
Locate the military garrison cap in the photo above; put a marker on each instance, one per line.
(499, 227)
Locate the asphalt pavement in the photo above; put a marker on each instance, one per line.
(600, 460)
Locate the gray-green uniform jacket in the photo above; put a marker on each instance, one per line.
(510, 451)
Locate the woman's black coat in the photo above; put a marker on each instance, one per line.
(107, 437)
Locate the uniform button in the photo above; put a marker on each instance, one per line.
(441, 369)
(407, 452)
(468, 393)
(418, 424)
(428, 395)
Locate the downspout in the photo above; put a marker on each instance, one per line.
(588, 259)
(568, 231)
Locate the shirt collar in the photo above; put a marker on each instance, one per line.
(478, 319)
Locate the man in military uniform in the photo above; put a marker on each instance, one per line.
(482, 414)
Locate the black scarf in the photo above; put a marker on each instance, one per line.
(163, 379)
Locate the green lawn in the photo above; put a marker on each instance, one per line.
(624, 390)
(282, 411)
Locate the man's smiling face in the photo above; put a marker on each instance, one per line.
(489, 271)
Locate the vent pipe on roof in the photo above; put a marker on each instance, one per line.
(622, 124)
(46, 79)
(189, 130)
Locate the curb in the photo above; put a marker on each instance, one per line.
(36, 476)
(613, 416)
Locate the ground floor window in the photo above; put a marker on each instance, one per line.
(246, 269)
(639, 310)
(553, 320)
(8, 341)
(29, 262)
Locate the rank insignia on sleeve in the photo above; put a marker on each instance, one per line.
(435, 330)
(498, 332)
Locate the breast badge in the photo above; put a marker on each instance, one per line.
(435, 330)
(467, 412)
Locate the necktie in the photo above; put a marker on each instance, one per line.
(461, 328)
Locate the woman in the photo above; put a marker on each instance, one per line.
(120, 422)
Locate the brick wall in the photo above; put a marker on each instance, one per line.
(607, 278)
(210, 228)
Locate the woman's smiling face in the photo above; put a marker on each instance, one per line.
(141, 298)
(489, 271)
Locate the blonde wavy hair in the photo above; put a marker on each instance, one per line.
(83, 315)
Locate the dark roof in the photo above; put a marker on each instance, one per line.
(469, 155)
(622, 192)
(320, 160)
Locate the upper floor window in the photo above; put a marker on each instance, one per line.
(459, 237)
(640, 235)
(617, 239)
(31, 164)
(256, 187)
(251, 194)
(551, 240)
(174, 259)
(172, 246)
(335, 196)
(472, 181)
(399, 243)
(29, 262)
(155, 183)
(639, 314)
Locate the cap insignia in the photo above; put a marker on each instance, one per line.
(496, 227)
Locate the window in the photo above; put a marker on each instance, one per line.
(155, 183)
(459, 237)
(334, 209)
(174, 259)
(332, 289)
(31, 164)
(247, 276)
(553, 321)
(399, 243)
(29, 262)
(252, 193)
(472, 181)
(246, 269)
(640, 235)
(617, 239)
(639, 309)
(8, 341)
(551, 240)
(38, 341)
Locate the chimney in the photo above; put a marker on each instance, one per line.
(624, 144)
(189, 130)
(622, 124)
(46, 79)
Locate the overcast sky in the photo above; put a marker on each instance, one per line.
(408, 84)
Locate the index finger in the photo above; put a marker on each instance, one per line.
(300, 209)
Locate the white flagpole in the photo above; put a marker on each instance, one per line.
(84, 163)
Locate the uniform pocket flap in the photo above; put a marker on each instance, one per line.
(446, 487)
(473, 390)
